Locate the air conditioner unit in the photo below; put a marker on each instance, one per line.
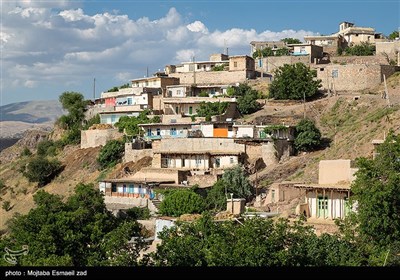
(173, 121)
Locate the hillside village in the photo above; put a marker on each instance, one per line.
(188, 147)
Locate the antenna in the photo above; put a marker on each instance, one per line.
(94, 89)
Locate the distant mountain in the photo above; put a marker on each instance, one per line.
(16, 118)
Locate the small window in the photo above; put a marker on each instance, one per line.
(158, 131)
(217, 162)
(172, 131)
(235, 64)
(321, 69)
(272, 195)
(231, 160)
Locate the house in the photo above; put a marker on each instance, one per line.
(179, 91)
(165, 130)
(314, 52)
(329, 198)
(199, 66)
(264, 131)
(260, 45)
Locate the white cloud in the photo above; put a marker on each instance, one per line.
(51, 48)
(197, 26)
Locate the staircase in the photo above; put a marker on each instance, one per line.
(156, 203)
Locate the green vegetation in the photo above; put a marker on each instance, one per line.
(203, 94)
(377, 191)
(291, 41)
(42, 170)
(115, 89)
(246, 98)
(75, 104)
(282, 52)
(78, 232)
(138, 213)
(129, 125)
(46, 148)
(235, 181)
(394, 35)
(2, 185)
(361, 49)
(110, 154)
(307, 136)
(273, 129)
(181, 202)
(218, 68)
(6, 205)
(26, 152)
(91, 121)
(253, 242)
(294, 82)
(209, 109)
(265, 52)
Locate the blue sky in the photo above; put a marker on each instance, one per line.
(48, 47)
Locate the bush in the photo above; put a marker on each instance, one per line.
(26, 152)
(307, 136)
(92, 121)
(203, 94)
(6, 205)
(2, 185)
(46, 148)
(42, 170)
(182, 202)
(362, 49)
(110, 154)
(138, 213)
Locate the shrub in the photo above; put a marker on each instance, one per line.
(111, 153)
(42, 170)
(26, 152)
(138, 213)
(2, 185)
(203, 94)
(307, 136)
(6, 205)
(92, 121)
(46, 148)
(182, 202)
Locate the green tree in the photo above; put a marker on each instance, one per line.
(75, 104)
(282, 51)
(265, 52)
(111, 153)
(209, 109)
(307, 136)
(42, 170)
(46, 148)
(130, 124)
(182, 202)
(91, 121)
(78, 232)
(26, 152)
(294, 81)
(246, 98)
(394, 35)
(377, 193)
(291, 41)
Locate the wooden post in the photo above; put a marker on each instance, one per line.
(316, 203)
(332, 204)
(323, 199)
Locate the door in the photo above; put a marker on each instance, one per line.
(322, 207)
(190, 110)
(347, 208)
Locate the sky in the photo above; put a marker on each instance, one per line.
(49, 47)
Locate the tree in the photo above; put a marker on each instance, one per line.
(294, 82)
(307, 136)
(182, 202)
(130, 124)
(46, 147)
(42, 170)
(246, 98)
(79, 232)
(377, 193)
(111, 153)
(75, 104)
(282, 51)
(394, 35)
(253, 242)
(362, 49)
(291, 41)
(209, 109)
(265, 52)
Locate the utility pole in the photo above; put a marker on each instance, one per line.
(94, 89)
(386, 91)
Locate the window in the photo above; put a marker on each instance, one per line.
(149, 132)
(322, 206)
(335, 73)
(190, 110)
(113, 118)
(129, 101)
(235, 64)
(198, 161)
(130, 188)
(272, 195)
(231, 160)
(124, 188)
(198, 66)
(158, 131)
(177, 110)
(321, 69)
(113, 187)
(147, 83)
(172, 131)
(183, 162)
(178, 92)
(217, 162)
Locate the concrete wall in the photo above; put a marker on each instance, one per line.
(199, 145)
(282, 193)
(368, 59)
(135, 155)
(390, 48)
(213, 77)
(335, 171)
(236, 206)
(245, 131)
(98, 137)
(161, 174)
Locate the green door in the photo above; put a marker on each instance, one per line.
(190, 110)
(322, 207)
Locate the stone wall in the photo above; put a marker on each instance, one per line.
(270, 64)
(390, 48)
(135, 155)
(368, 59)
(199, 145)
(98, 137)
(354, 77)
